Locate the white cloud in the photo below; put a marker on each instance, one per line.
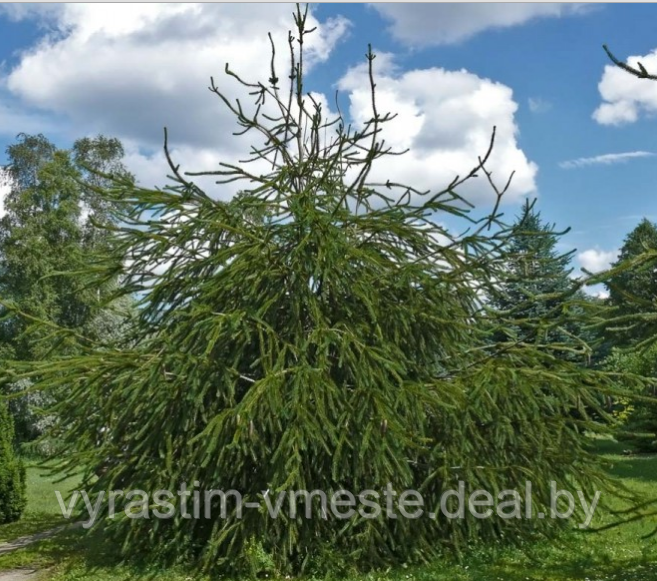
(538, 105)
(446, 119)
(130, 69)
(606, 159)
(624, 96)
(445, 23)
(595, 260)
(598, 291)
(151, 167)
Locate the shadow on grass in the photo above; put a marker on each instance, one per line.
(47, 552)
(606, 446)
(75, 553)
(637, 467)
(30, 524)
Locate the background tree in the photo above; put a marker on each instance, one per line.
(51, 226)
(633, 288)
(336, 339)
(537, 283)
(632, 292)
(637, 415)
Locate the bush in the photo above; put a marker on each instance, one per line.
(637, 416)
(12, 472)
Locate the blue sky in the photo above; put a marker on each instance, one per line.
(579, 133)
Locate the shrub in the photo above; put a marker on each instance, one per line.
(12, 471)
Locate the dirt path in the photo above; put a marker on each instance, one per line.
(9, 546)
(18, 575)
(21, 542)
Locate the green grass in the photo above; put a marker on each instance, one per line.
(42, 511)
(618, 554)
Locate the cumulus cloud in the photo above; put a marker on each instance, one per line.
(129, 69)
(445, 23)
(605, 159)
(151, 167)
(445, 118)
(599, 291)
(624, 96)
(595, 260)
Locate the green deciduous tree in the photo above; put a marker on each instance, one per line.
(637, 415)
(51, 226)
(320, 332)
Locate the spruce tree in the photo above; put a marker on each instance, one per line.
(319, 332)
(633, 290)
(537, 282)
(633, 287)
(632, 294)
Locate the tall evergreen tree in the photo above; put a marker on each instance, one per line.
(633, 286)
(536, 281)
(633, 294)
(633, 290)
(332, 341)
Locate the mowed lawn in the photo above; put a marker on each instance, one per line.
(618, 554)
(42, 512)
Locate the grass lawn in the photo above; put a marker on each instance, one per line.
(619, 554)
(42, 512)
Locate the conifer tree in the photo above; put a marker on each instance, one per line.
(632, 285)
(633, 289)
(320, 332)
(632, 294)
(537, 281)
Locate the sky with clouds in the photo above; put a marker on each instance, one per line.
(578, 132)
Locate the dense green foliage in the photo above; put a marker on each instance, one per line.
(536, 284)
(618, 554)
(633, 287)
(638, 416)
(12, 472)
(321, 332)
(632, 294)
(51, 225)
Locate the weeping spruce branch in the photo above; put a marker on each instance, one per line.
(319, 331)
